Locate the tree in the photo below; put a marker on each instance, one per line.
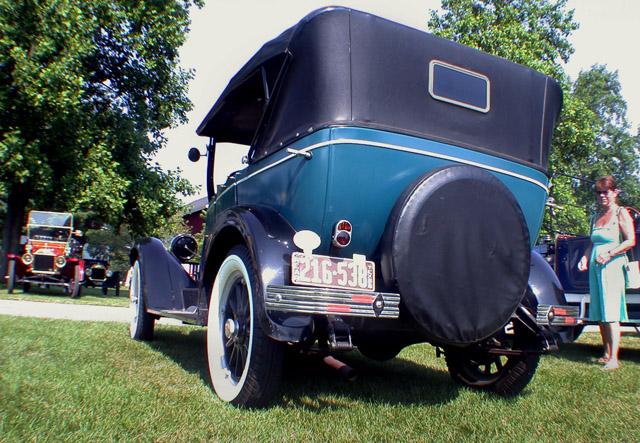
(86, 89)
(615, 150)
(535, 33)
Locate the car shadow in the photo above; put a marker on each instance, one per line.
(308, 382)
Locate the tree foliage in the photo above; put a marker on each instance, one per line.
(86, 89)
(592, 137)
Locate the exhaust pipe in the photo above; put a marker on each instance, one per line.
(345, 371)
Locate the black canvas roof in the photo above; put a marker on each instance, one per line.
(339, 66)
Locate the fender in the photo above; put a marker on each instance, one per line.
(269, 238)
(544, 283)
(545, 288)
(163, 277)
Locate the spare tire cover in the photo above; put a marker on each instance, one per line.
(457, 248)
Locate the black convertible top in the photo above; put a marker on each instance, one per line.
(339, 66)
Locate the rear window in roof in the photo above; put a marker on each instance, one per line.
(459, 86)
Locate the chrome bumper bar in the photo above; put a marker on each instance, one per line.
(556, 315)
(327, 301)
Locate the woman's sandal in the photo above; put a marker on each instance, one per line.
(610, 366)
(603, 359)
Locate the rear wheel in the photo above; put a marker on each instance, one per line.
(142, 323)
(11, 282)
(26, 287)
(245, 365)
(506, 375)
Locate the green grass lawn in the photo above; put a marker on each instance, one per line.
(83, 381)
(89, 296)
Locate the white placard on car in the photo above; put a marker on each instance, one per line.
(332, 272)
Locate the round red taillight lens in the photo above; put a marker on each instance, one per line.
(342, 234)
(343, 238)
(344, 225)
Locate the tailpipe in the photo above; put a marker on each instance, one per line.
(344, 370)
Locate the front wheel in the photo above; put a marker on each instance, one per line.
(379, 352)
(245, 365)
(142, 323)
(11, 283)
(505, 375)
(76, 284)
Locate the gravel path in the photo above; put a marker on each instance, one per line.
(70, 312)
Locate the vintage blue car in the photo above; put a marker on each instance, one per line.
(394, 187)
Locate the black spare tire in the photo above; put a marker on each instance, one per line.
(457, 249)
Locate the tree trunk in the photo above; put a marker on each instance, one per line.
(16, 206)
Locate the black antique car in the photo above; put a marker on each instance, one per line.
(393, 190)
(98, 274)
(564, 252)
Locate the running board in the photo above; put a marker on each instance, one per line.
(196, 312)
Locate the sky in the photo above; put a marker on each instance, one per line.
(226, 33)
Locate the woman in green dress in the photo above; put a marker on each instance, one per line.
(612, 234)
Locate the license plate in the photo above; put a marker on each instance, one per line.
(332, 272)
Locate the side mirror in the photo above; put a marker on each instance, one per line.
(194, 154)
(245, 160)
(184, 247)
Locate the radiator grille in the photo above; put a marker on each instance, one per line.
(98, 273)
(43, 263)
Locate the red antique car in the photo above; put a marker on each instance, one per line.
(51, 255)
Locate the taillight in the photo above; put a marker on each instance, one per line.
(342, 234)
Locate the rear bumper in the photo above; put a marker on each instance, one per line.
(322, 301)
(558, 315)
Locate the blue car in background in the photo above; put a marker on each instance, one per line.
(394, 187)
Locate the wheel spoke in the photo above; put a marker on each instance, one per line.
(232, 301)
(237, 364)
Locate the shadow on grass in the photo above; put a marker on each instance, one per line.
(586, 352)
(307, 382)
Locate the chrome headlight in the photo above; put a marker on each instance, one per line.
(87, 272)
(60, 261)
(27, 259)
(109, 273)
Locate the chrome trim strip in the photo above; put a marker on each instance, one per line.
(345, 141)
(311, 300)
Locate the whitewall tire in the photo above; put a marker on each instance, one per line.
(244, 364)
(142, 323)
